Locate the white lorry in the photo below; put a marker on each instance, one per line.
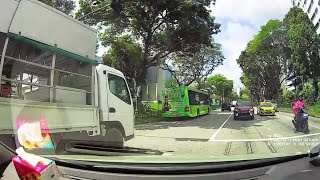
(48, 72)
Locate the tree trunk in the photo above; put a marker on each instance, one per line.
(316, 89)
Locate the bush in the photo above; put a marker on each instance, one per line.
(288, 96)
(245, 97)
(308, 93)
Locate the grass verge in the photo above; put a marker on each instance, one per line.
(146, 120)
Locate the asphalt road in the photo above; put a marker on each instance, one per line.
(218, 134)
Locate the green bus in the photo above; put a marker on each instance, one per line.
(183, 101)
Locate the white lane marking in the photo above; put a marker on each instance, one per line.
(266, 139)
(225, 113)
(214, 135)
(166, 154)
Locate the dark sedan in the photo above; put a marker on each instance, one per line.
(226, 106)
(243, 109)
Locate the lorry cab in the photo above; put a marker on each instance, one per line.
(115, 102)
(48, 73)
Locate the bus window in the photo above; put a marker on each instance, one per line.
(193, 98)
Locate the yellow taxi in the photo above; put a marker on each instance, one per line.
(266, 108)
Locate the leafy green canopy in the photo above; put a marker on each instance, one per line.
(125, 54)
(263, 61)
(304, 43)
(66, 6)
(161, 27)
(220, 85)
(196, 68)
(263, 34)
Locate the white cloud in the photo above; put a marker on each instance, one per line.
(255, 12)
(233, 39)
(240, 21)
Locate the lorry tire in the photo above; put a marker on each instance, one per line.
(114, 138)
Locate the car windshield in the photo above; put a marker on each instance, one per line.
(244, 103)
(170, 81)
(266, 105)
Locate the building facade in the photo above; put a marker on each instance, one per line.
(155, 84)
(312, 8)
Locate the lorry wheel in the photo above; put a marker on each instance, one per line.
(114, 138)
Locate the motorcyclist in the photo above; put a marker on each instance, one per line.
(296, 108)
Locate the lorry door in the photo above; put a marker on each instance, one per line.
(120, 103)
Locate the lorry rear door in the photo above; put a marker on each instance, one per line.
(120, 103)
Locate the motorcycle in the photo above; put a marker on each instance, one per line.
(300, 122)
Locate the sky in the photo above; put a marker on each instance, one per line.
(240, 20)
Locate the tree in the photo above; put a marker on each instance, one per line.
(288, 96)
(172, 82)
(162, 27)
(264, 60)
(220, 86)
(66, 6)
(245, 97)
(304, 43)
(244, 91)
(307, 93)
(234, 96)
(125, 55)
(197, 67)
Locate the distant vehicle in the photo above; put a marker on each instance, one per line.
(183, 101)
(266, 108)
(275, 105)
(226, 106)
(243, 109)
(234, 103)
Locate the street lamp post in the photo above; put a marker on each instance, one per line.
(223, 93)
(212, 89)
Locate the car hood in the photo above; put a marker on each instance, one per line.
(167, 158)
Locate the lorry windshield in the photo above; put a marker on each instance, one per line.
(159, 81)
